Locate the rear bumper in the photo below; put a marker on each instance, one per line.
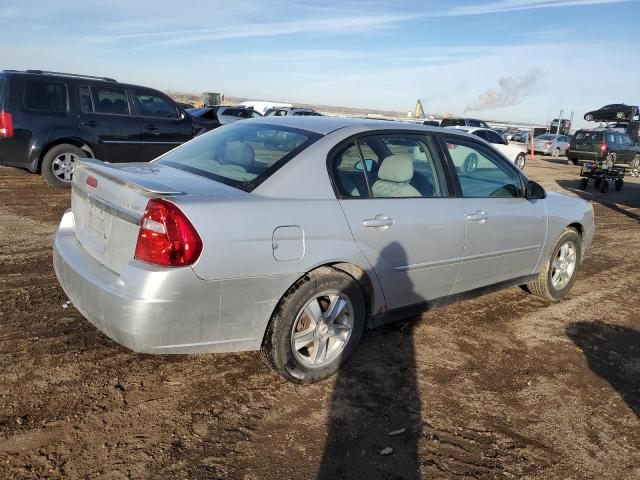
(155, 310)
(582, 155)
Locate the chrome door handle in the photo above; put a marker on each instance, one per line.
(380, 221)
(478, 216)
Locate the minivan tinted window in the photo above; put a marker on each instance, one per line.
(587, 137)
(45, 96)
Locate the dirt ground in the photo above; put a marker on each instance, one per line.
(504, 386)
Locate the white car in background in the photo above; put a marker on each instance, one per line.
(516, 153)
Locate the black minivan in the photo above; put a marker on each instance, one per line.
(49, 119)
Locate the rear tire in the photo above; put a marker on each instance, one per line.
(635, 163)
(620, 115)
(58, 164)
(556, 153)
(521, 160)
(556, 277)
(300, 311)
(588, 117)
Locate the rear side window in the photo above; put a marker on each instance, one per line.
(110, 100)
(45, 96)
(405, 166)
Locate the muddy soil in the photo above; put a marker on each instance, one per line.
(503, 386)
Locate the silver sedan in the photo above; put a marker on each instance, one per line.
(291, 235)
(551, 144)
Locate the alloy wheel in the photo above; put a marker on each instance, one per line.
(322, 329)
(63, 166)
(563, 266)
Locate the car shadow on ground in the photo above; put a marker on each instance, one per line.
(374, 416)
(613, 353)
(629, 196)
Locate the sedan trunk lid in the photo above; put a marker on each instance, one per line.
(108, 201)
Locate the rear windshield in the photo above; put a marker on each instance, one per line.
(594, 137)
(242, 154)
(546, 137)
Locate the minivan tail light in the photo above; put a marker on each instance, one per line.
(603, 148)
(6, 124)
(166, 236)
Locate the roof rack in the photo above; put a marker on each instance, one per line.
(62, 74)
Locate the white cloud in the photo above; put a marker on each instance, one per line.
(501, 6)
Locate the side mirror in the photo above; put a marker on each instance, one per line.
(535, 191)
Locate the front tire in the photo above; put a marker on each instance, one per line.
(316, 327)
(588, 117)
(620, 115)
(58, 164)
(560, 269)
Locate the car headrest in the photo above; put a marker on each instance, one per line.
(396, 168)
(238, 153)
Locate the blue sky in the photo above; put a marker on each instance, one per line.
(503, 59)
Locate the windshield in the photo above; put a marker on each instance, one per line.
(242, 154)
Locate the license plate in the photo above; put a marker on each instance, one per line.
(96, 222)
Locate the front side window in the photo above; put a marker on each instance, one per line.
(390, 166)
(482, 174)
(242, 154)
(110, 100)
(45, 96)
(149, 104)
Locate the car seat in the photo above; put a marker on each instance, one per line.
(394, 175)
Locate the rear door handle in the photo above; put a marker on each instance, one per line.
(90, 123)
(380, 221)
(479, 216)
(150, 127)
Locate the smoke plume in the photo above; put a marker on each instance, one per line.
(509, 92)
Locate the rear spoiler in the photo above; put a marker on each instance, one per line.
(137, 177)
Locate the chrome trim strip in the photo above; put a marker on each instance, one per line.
(107, 206)
(472, 258)
(420, 266)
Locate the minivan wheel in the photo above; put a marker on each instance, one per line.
(521, 159)
(588, 117)
(559, 271)
(316, 327)
(58, 164)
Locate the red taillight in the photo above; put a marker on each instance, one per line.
(166, 236)
(603, 148)
(6, 124)
(92, 182)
